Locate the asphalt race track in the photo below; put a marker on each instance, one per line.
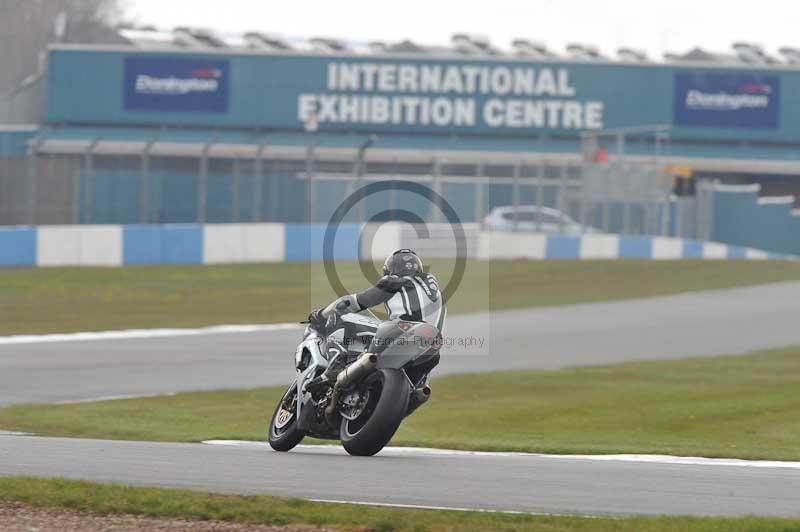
(699, 324)
(695, 324)
(418, 478)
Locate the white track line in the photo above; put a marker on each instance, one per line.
(449, 508)
(643, 458)
(144, 333)
(113, 398)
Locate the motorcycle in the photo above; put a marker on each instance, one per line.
(370, 397)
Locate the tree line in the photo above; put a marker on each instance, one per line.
(27, 27)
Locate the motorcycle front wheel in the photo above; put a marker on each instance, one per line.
(283, 434)
(380, 418)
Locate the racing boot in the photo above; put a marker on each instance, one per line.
(337, 356)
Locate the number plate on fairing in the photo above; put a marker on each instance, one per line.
(284, 416)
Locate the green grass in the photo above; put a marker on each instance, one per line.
(88, 299)
(110, 499)
(742, 407)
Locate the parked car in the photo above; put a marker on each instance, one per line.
(531, 218)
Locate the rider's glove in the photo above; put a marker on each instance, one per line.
(317, 320)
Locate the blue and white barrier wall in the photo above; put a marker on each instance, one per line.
(114, 245)
(540, 246)
(123, 245)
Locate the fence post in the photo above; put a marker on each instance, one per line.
(235, 194)
(437, 188)
(361, 165)
(310, 159)
(479, 199)
(357, 184)
(75, 215)
(652, 228)
(202, 185)
(709, 193)
(562, 194)
(259, 184)
(515, 195)
(540, 194)
(144, 191)
(33, 177)
(89, 189)
(607, 202)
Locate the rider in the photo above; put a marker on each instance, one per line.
(408, 292)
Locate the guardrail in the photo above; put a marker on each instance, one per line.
(115, 245)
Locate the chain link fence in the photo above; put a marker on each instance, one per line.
(617, 185)
(627, 188)
(99, 188)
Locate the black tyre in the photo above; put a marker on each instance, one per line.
(374, 427)
(283, 434)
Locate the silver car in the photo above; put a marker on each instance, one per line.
(530, 218)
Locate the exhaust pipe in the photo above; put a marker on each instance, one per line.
(422, 395)
(352, 373)
(418, 398)
(357, 370)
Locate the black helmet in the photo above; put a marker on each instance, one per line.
(402, 262)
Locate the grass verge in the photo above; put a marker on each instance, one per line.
(108, 499)
(45, 300)
(742, 407)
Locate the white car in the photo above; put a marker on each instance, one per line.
(531, 218)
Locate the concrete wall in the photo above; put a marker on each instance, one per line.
(114, 245)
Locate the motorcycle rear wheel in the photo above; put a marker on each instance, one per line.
(284, 435)
(367, 434)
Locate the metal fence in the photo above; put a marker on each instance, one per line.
(105, 183)
(52, 188)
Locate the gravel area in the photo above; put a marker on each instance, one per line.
(16, 517)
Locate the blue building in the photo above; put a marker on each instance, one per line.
(210, 130)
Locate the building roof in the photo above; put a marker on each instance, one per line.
(460, 45)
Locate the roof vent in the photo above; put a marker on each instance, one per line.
(584, 52)
(328, 45)
(197, 38)
(752, 53)
(264, 41)
(377, 47)
(532, 49)
(632, 55)
(406, 47)
(791, 55)
(148, 38)
(469, 44)
(699, 55)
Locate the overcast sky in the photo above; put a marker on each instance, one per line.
(654, 26)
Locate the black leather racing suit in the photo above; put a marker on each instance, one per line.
(409, 298)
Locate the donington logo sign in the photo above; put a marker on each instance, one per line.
(716, 99)
(174, 84)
